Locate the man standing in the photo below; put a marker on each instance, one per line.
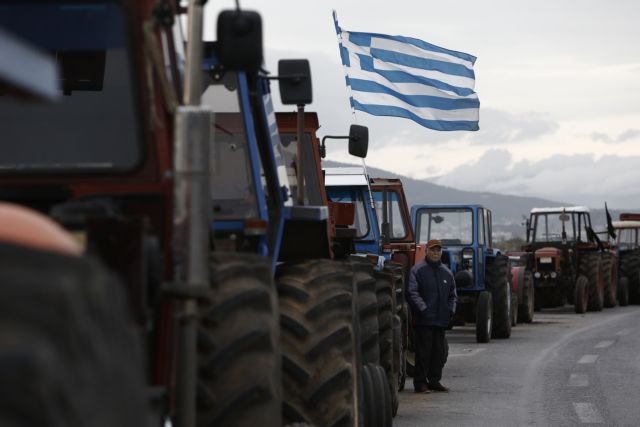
(431, 294)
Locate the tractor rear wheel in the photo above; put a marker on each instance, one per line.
(590, 268)
(484, 317)
(388, 351)
(608, 271)
(382, 396)
(367, 306)
(69, 353)
(497, 278)
(630, 266)
(402, 319)
(240, 367)
(514, 310)
(320, 363)
(526, 310)
(623, 291)
(581, 295)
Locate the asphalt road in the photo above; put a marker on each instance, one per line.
(563, 369)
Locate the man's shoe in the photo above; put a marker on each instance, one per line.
(422, 388)
(438, 387)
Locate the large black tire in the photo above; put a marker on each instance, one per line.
(410, 355)
(526, 309)
(590, 268)
(497, 279)
(367, 307)
(385, 295)
(623, 291)
(581, 295)
(320, 367)
(609, 273)
(401, 319)
(382, 398)
(69, 353)
(240, 366)
(514, 310)
(484, 317)
(630, 268)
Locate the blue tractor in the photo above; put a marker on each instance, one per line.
(381, 219)
(482, 273)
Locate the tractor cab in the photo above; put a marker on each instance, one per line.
(482, 273)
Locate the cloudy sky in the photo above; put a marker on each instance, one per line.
(558, 82)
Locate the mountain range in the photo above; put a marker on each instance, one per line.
(508, 212)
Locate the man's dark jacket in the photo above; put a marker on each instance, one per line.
(431, 293)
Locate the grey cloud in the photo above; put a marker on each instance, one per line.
(500, 127)
(580, 179)
(600, 137)
(627, 135)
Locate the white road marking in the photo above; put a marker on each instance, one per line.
(588, 358)
(604, 344)
(466, 352)
(587, 413)
(578, 380)
(624, 331)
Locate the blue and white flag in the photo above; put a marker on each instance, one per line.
(406, 77)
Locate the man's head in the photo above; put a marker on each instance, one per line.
(434, 250)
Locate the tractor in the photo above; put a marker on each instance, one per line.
(628, 246)
(482, 273)
(376, 205)
(373, 293)
(568, 260)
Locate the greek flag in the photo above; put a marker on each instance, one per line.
(406, 77)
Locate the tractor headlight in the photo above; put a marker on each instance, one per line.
(537, 274)
(553, 274)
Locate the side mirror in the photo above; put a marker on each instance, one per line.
(240, 40)
(295, 81)
(358, 141)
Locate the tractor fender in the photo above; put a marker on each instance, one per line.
(517, 281)
(23, 226)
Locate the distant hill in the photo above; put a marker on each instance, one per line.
(509, 212)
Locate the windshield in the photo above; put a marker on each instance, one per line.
(95, 124)
(355, 196)
(232, 187)
(627, 238)
(451, 226)
(548, 227)
(394, 214)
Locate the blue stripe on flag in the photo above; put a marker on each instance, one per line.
(415, 100)
(444, 125)
(423, 63)
(397, 76)
(344, 55)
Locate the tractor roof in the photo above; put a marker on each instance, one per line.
(626, 224)
(560, 209)
(352, 176)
